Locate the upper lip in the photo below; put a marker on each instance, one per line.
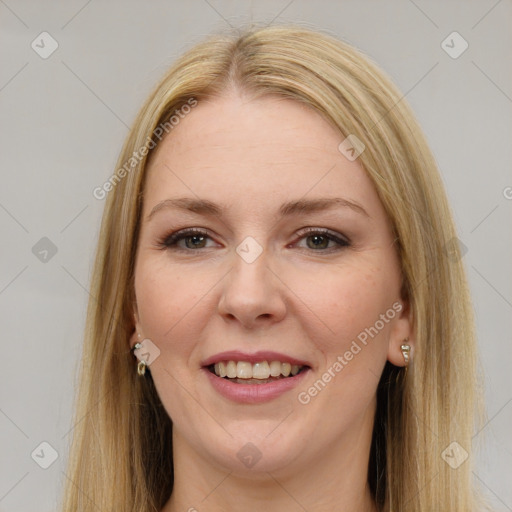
(255, 357)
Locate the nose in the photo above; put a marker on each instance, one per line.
(252, 293)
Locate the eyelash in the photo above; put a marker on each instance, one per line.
(170, 241)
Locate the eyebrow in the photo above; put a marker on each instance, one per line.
(300, 206)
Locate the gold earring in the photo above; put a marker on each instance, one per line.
(405, 348)
(141, 367)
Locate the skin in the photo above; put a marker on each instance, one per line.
(295, 298)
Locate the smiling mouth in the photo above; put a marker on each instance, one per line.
(244, 372)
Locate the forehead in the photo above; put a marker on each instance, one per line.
(256, 151)
(276, 128)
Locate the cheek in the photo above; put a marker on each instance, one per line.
(353, 339)
(345, 302)
(168, 302)
(163, 301)
(165, 297)
(175, 308)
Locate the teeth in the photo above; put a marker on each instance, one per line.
(261, 371)
(220, 369)
(243, 370)
(275, 368)
(230, 370)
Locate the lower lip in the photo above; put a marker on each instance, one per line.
(253, 393)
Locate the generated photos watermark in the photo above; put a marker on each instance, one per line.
(304, 397)
(101, 192)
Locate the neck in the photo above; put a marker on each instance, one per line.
(335, 480)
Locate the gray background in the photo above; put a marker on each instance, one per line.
(65, 117)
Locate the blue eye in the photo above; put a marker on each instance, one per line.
(196, 239)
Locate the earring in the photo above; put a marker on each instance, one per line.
(405, 348)
(141, 367)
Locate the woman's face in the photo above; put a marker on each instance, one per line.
(280, 276)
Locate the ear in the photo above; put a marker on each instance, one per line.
(401, 332)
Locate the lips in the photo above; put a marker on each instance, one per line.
(253, 378)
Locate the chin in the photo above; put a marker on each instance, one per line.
(254, 449)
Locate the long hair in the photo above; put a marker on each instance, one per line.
(121, 452)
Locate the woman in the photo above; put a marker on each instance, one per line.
(279, 314)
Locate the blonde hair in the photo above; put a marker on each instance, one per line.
(121, 454)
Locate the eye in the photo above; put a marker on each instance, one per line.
(320, 239)
(196, 237)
